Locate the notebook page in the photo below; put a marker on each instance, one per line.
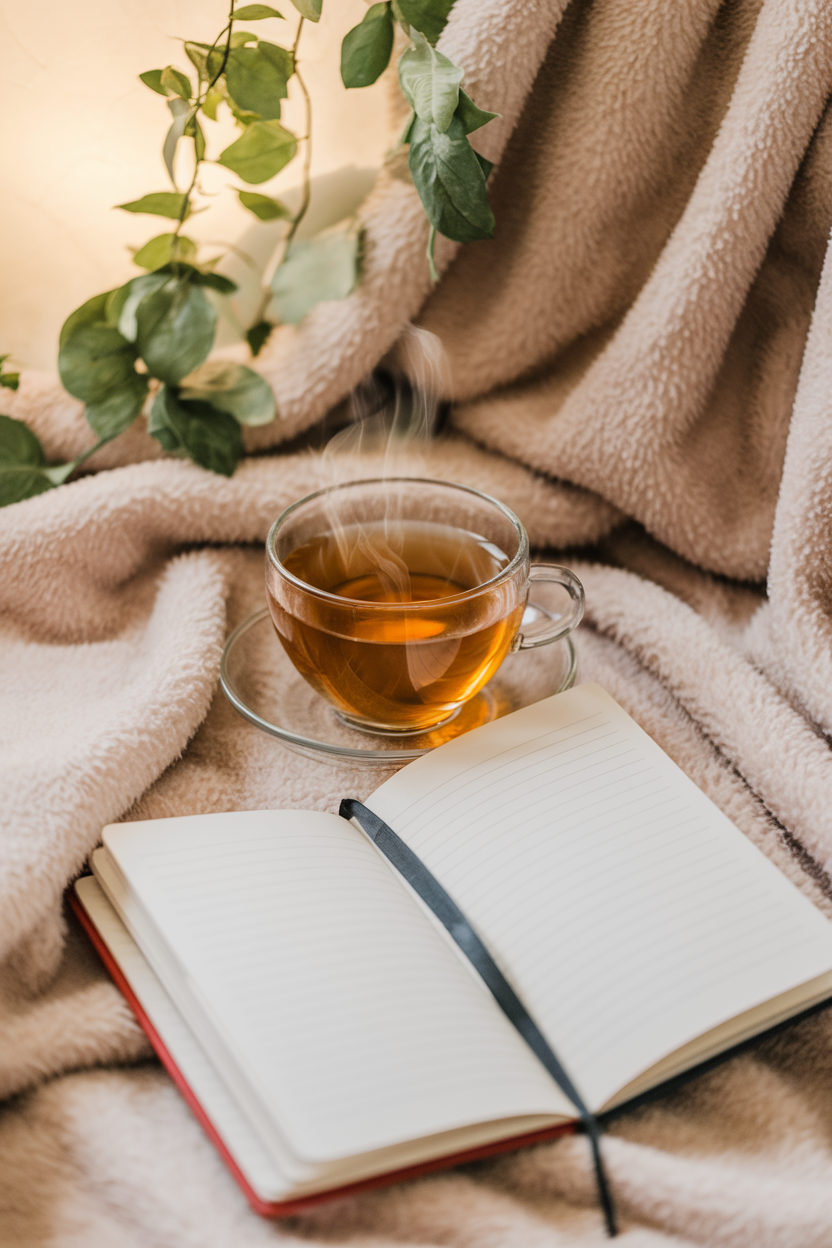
(238, 1137)
(629, 913)
(355, 1024)
(153, 948)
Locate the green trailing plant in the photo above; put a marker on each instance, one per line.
(448, 174)
(24, 471)
(8, 380)
(153, 335)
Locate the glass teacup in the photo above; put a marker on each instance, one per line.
(398, 599)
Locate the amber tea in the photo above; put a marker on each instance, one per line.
(397, 599)
(400, 641)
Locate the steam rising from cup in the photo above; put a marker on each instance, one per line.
(383, 440)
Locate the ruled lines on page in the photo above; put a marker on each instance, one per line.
(352, 1019)
(629, 912)
(210, 1091)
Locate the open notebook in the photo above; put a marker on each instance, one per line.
(329, 1032)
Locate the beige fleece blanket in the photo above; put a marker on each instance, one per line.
(640, 363)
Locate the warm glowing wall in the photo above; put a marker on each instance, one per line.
(80, 133)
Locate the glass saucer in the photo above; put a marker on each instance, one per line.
(262, 684)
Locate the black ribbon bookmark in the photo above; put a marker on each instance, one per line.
(451, 917)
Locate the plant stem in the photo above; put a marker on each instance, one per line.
(434, 276)
(59, 473)
(306, 184)
(93, 449)
(186, 202)
(307, 154)
(225, 54)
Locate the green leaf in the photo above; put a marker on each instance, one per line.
(214, 281)
(244, 116)
(324, 268)
(22, 463)
(176, 83)
(258, 335)
(366, 49)
(471, 116)
(429, 17)
(181, 113)
(122, 303)
(192, 127)
(231, 388)
(18, 444)
(94, 358)
(10, 380)
(408, 130)
(261, 151)
(88, 314)
(159, 204)
(211, 438)
(164, 249)
(430, 84)
(114, 413)
(309, 8)
(255, 13)
(193, 130)
(264, 207)
(197, 55)
(281, 58)
(256, 79)
(205, 59)
(450, 182)
(175, 329)
(212, 102)
(485, 165)
(241, 37)
(153, 79)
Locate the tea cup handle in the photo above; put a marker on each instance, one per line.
(560, 627)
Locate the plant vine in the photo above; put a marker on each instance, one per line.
(153, 335)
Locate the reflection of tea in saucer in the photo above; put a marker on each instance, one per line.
(268, 691)
(410, 668)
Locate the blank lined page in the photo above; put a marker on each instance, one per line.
(630, 914)
(351, 1018)
(235, 1132)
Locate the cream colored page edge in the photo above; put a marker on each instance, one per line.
(174, 982)
(199, 1073)
(722, 1039)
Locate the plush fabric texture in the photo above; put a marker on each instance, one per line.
(640, 364)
